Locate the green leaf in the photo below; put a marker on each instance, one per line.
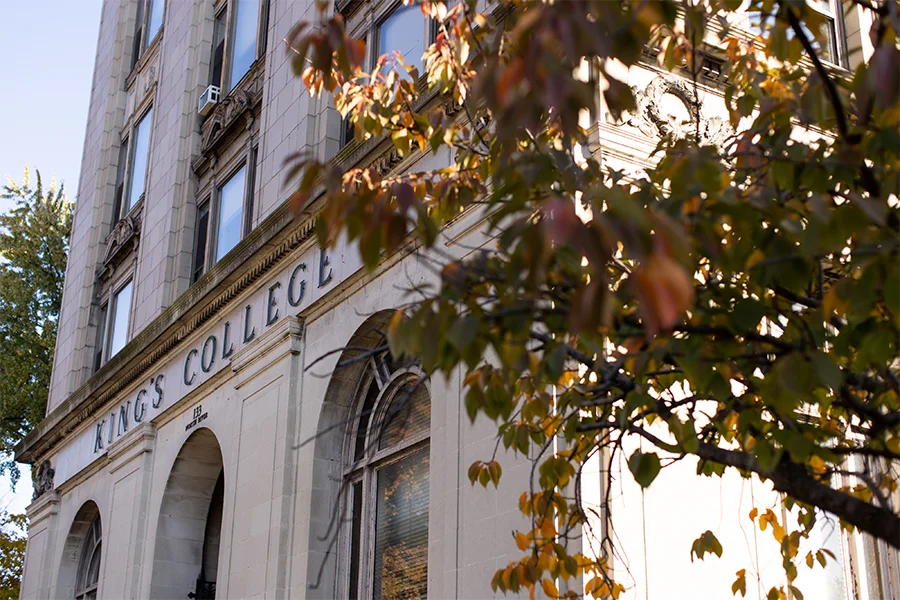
(827, 372)
(707, 543)
(644, 467)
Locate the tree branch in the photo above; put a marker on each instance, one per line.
(793, 479)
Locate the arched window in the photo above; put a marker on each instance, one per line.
(386, 484)
(89, 564)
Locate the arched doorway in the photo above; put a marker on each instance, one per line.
(79, 575)
(374, 453)
(188, 534)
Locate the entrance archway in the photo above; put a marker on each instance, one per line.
(185, 560)
(79, 571)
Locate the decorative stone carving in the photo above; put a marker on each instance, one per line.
(236, 103)
(43, 480)
(654, 120)
(387, 161)
(150, 79)
(121, 240)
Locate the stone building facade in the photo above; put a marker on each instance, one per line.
(196, 442)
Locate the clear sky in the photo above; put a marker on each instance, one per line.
(46, 66)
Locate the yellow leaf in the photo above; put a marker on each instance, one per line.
(893, 445)
(549, 588)
(756, 256)
(522, 541)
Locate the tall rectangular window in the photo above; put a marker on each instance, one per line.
(230, 213)
(148, 22)
(120, 182)
(101, 337)
(244, 38)
(120, 317)
(138, 172)
(202, 235)
(154, 20)
(827, 43)
(218, 50)
(404, 31)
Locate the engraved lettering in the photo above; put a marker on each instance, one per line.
(98, 436)
(157, 386)
(206, 365)
(324, 261)
(227, 347)
(294, 300)
(187, 364)
(271, 317)
(249, 330)
(140, 404)
(123, 418)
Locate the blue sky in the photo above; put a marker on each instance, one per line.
(46, 64)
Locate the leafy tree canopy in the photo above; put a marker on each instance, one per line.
(12, 554)
(737, 303)
(34, 243)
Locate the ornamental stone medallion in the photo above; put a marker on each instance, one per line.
(669, 107)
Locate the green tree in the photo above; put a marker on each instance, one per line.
(737, 302)
(12, 554)
(34, 243)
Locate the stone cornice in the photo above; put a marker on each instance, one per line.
(264, 248)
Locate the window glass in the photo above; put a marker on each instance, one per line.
(139, 164)
(121, 311)
(138, 33)
(155, 20)
(89, 565)
(355, 539)
(401, 529)
(200, 243)
(101, 337)
(408, 415)
(231, 205)
(120, 182)
(218, 51)
(825, 43)
(404, 31)
(243, 43)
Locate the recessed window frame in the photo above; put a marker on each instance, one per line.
(142, 34)
(832, 11)
(362, 465)
(122, 202)
(229, 9)
(211, 202)
(87, 580)
(370, 33)
(112, 310)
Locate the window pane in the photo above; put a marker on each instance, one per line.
(156, 19)
(200, 243)
(93, 573)
(101, 331)
(408, 415)
(138, 33)
(231, 205)
(121, 310)
(404, 31)
(401, 529)
(355, 540)
(243, 46)
(218, 51)
(120, 182)
(141, 154)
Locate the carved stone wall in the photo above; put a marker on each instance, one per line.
(653, 119)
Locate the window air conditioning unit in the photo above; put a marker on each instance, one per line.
(208, 100)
